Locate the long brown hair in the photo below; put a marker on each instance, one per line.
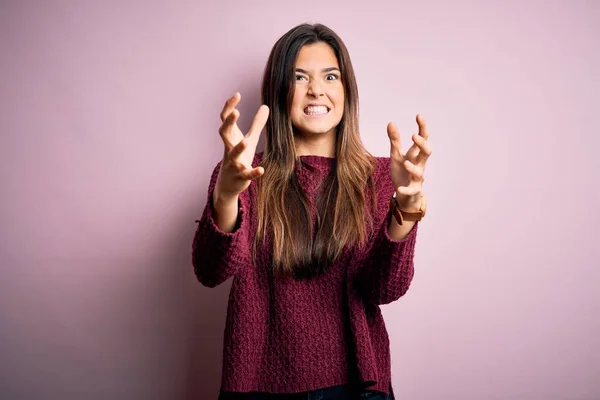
(283, 208)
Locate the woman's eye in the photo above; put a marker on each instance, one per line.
(300, 77)
(331, 77)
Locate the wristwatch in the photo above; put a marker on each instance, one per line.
(404, 215)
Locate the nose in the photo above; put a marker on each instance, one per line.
(315, 89)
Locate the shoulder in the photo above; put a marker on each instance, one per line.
(258, 157)
(382, 162)
(382, 169)
(382, 178)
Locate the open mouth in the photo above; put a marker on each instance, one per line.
(316, 110)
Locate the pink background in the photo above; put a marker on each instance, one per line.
(108, 122)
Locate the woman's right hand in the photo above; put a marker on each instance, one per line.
(236, 171)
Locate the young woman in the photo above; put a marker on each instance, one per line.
(316, 232)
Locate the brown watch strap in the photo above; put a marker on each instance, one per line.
(403, 215)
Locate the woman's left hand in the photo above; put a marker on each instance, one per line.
(408, 169)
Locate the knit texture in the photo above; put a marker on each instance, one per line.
(290, 336)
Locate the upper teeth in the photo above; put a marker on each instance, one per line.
(315, 110)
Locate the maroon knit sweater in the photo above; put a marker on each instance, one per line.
(289, 336)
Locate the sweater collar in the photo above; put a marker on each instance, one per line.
(320, 162)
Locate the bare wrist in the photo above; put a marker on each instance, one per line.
(224, 200)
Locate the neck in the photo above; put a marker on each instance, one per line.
(321, 145)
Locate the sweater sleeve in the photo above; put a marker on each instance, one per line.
(388, 266)
(217, 255)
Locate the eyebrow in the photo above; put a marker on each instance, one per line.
(323, 70)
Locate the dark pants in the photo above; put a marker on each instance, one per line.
(332, 393)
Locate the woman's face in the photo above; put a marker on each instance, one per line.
(318, 103)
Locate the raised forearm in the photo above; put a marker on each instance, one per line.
(397, 231)
(226, 210)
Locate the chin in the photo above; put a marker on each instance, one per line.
(319, 128)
